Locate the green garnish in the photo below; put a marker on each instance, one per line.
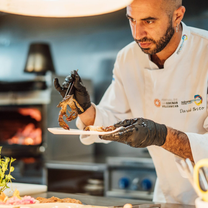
(5, 171)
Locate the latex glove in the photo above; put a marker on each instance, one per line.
(79, 90)
(138, 132)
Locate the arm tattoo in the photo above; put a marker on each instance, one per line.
(177, 142)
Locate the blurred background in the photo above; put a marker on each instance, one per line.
(89, 44)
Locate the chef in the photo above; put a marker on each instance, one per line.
(157, 95)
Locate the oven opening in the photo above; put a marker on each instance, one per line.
(21, 126)
(21, 130)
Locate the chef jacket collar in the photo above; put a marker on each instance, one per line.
(179, 52)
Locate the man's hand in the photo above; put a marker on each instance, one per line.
(138, 132)
(79, 90)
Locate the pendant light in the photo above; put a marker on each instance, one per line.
(61, 8)
(39, 59)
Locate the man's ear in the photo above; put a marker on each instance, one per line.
(178, 15)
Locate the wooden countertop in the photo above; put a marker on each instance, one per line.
(104, 201)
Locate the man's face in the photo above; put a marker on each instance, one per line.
(151, 26)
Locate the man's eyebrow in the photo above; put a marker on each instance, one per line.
(129, 16)
(144, 19)
(149, 18)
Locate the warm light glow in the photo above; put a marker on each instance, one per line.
(62, 8)
(28, 141)
(27, 136)
(32, 112)
(37, 64)
(29, 160)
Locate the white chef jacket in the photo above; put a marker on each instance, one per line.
(175, 96)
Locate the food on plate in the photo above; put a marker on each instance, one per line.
(56, 199)
(6, 169)
(99, 128)
(16, 199)
(127, 206)
(5, 172)
(73, 104)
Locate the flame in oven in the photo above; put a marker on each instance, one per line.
(29, 134)
(32, 112)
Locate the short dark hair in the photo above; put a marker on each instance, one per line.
(171, 5)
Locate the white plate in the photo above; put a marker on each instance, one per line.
(78, 132)
(51, 205)
(25, 188)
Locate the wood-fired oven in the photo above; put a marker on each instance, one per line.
(21, 130)
(23, 106)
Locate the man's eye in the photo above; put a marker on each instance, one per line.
(149, 21)
(131, 20)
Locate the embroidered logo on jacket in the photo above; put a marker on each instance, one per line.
(166, 103)
(197, 100)
(184, 38)
(157, 103)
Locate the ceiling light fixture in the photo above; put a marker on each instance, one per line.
(61, 8)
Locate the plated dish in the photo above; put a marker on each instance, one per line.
(59, 130)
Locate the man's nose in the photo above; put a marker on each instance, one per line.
(138, 32)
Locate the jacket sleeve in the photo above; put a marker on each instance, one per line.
(112, 108)
(199, 145)
(199, 148)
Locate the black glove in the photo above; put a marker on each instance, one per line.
(138, 132)
(78, 90)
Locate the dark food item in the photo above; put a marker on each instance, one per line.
(74, 105)
(99, 128)
(56, 199)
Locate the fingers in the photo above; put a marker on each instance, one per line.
(57, 85)
(70, 79)
(120, 136)
(74, 74)
(67, 81)
(75, 78)
(78, 84)
(126, 122)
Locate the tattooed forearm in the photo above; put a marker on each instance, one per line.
(177, 142)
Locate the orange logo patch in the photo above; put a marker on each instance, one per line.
(157, 102)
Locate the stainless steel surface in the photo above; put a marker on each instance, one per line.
(69, 89)
(71, 165)
(130, 162)
(31, 97)
(112, 171)
(76, 171)
(106, 201)
(130, 177)
(142, 195)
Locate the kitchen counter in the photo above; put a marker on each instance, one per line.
(77, 172)
(104, 201)
(97, 163)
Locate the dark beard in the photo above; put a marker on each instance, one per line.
(161, 44)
